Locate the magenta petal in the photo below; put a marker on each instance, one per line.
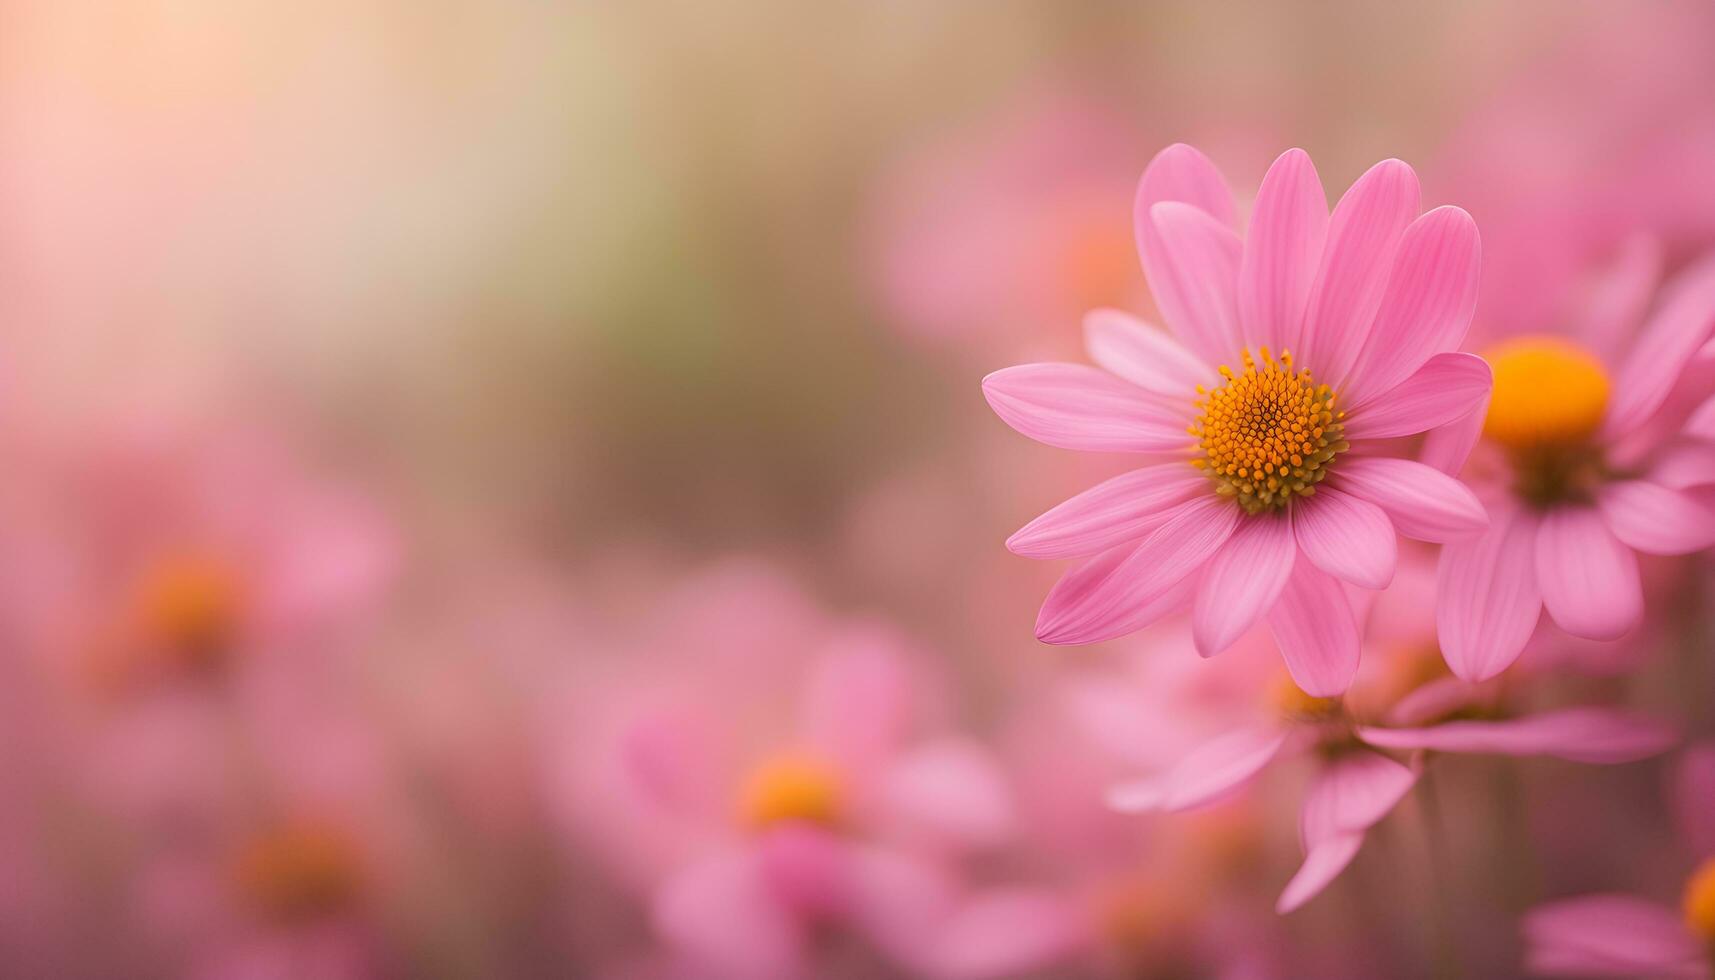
(1074, 406)
(1656, 520)
(1283, 249)
(722, 914)
(1317, 631)
(1422, 502)
(1363, 235)
(1008, 932)
(1589, 579)
(1207, 774)
(1594, 735)
(1447, 388)
(1615, 935)
(1488, 602)
(1427, 307)
(1142, 586)
(1241, 582)
(1349, 538)
(1200, 273)
(1321, 866)
(1350, 794)
(1683, 320)
(1122, 509)
(1144, 355)
(1178, 173)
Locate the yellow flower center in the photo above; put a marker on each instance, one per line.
(1267, 433)
(792, 787)
(1292, 702)
(299, 871)
(1548, 392)
(1699, 901)
(190, 606)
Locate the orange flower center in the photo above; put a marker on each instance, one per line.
(1548, 401)
(299, 871)
(190, 606)
(1267, 433)
(1292, 702)
(1699, 903)
(794, 787)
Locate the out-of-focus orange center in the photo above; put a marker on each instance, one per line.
(1699, 903)
(1292, 702)
(189, 606)
(1097, 260)
(299, 871)
(793, 787)
(1548, 392)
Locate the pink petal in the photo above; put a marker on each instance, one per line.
(1282, 251)
(1656, 520)
(1208, 774)
(1684, 317)
(1613, 935)
(1427, 307)
(1685, 467)
(858, 705)
(1200, 271)
(1609, 313)
(897, 902)
(1241, 582)
(1594, 735)
(1007, 932)
(1122, 509)
(1178, 173)
(1144, 355)
(1701, 423)
(1693, 798)
(1589, 579)
(1140, 588)
(1317, 632)
(952, 789)
(1448, 387)
(1448, 447)
(1350, 794)
(722, 914)
(1073, 406)
(1488, 601)
(1363, 235)
(1436, 699)
(1422, 502)
(1349, 538)
(1321, 866)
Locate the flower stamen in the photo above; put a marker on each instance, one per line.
(1268, 432)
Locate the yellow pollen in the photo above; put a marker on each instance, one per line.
(792, 787)
(1292, 702)
(1548, 392)
(299, 871)
(1267, 433)
(1699, 902)
(190, 606)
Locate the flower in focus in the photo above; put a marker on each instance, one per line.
(1299, 352)
(1592, 450)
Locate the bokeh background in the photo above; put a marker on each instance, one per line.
(391, 390)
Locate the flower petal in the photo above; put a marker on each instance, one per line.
(1488, 601)
(1242, 582)
(1074, 406)
(1693, 798)
(1682, 321)
(1701, 423)
(857, 706)
(1594, 735)
(1200, 270)
(1321, 866)
(1656, 520)
(722, 913)
(952, 789)
(1422, 502)
(1615, 935)
(1426, 309)
(1142, 586)
(1589, 579)
(1448, 447)
(1122, 509)
(1685, 466)
(1351, 794)
(1317, 631)
(1283, 249)
(1178, 173)
(1363, 235)
(1006, 932)
(1349, 538)
(1208, 774)
(1143, 354)
(1446, 388)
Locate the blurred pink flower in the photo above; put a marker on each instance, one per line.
(1592, 450)
(1374, 300)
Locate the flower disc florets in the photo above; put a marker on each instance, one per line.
(1268, 432)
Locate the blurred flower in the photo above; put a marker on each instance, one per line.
(1374, 299)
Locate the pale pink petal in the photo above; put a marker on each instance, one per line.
(1241, 582)
(1427, 307)
(1609, 311)
(1701, 423)
(1200, 270)
(1321, 866)
(1347, 537)
(1317, 631)
(1448, 447)
(1138, 589)
(1178, 173)
(1007, 932)
(1122, 509)
(1363, 235)
(1683, 320)
(858, 702)
(1143, 354)
(1427, 702)
(1693, 798)
(1599, 736)
(897, 902)
(1488, 602)
(806, 868)
(1350, 794)
(1589, 579)
(722, 914)
(1074, 406)
(952, 790)
(1283, 249)
(1208, 774)
(1611, 935)
(1447, 388)
(1422, 502)
(1656, 520)
(1685, 466)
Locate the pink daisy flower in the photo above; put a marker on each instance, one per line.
(1591, 451)
(1298, 351)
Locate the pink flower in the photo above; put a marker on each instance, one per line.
(1587, 458)
(1619, 935)
(1298, 352)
